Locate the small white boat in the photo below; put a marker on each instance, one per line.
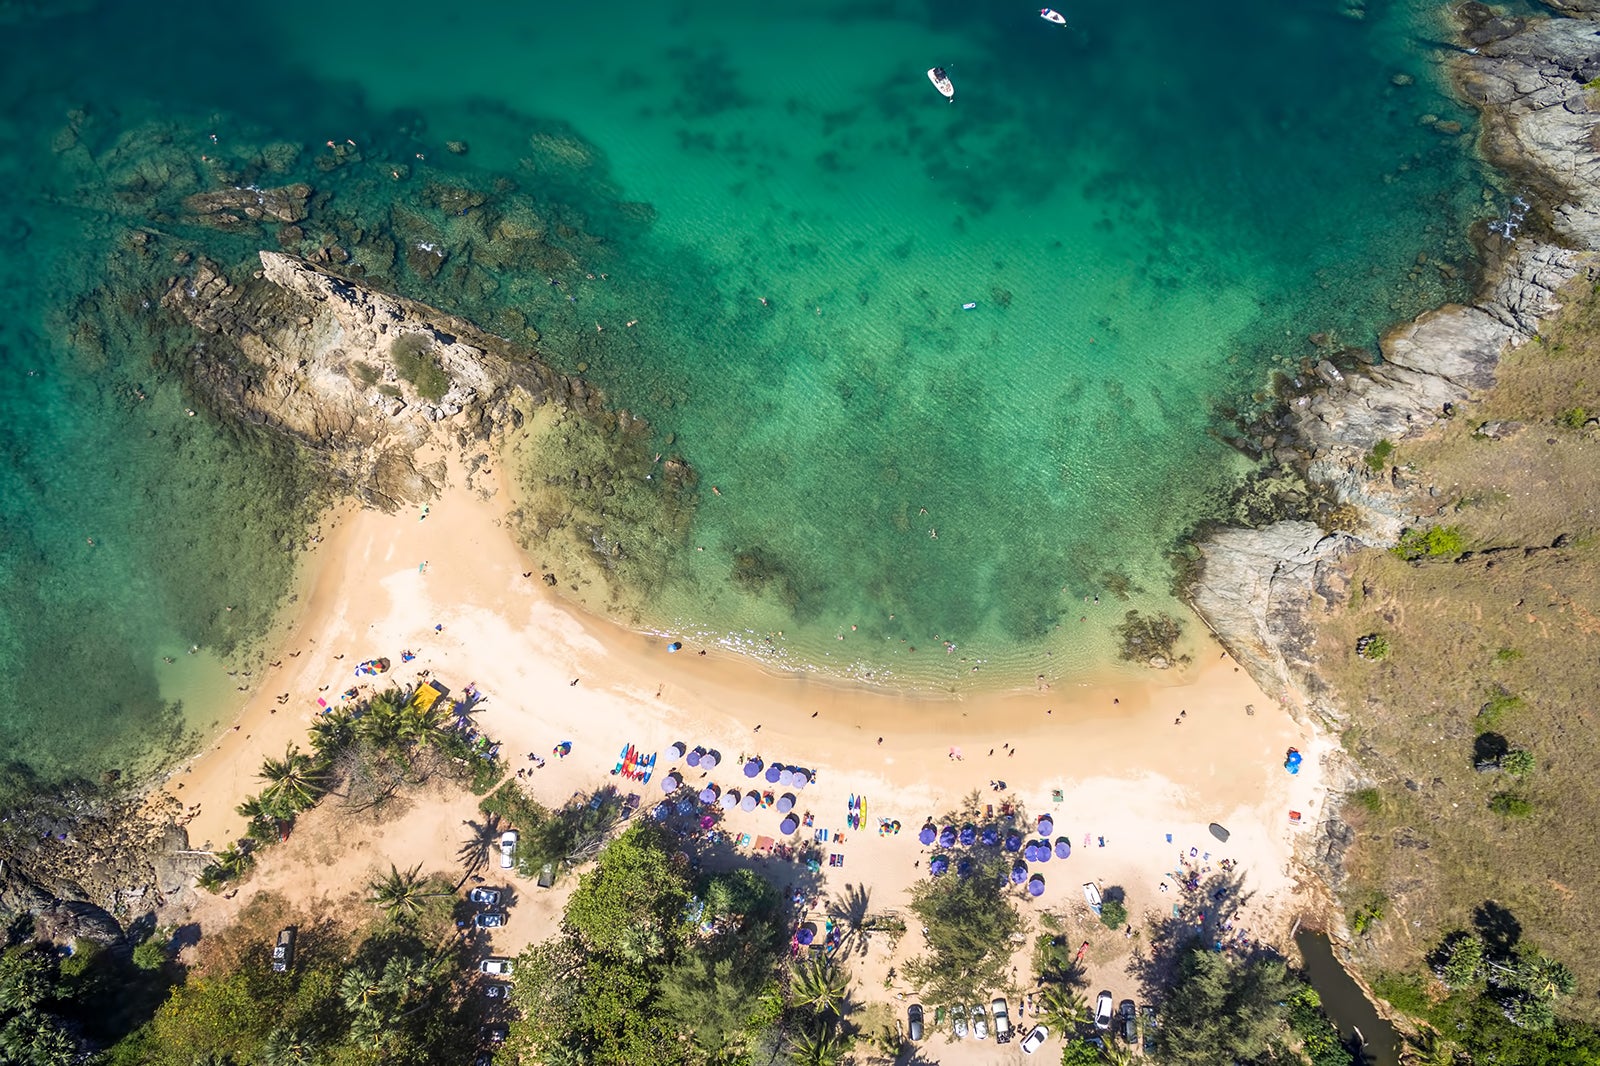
(941, 81)
(1051, 15)
(1091, 895)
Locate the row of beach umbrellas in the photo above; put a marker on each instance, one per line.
(703, 757)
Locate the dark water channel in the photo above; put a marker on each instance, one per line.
(1346, 1004)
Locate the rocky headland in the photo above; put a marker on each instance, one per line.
(1263, 589)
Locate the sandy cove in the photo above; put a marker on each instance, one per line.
(1133, 760)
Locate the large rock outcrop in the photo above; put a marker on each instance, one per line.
(1258, 588)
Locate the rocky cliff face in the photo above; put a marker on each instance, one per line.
(366, 380)
(1260, 589)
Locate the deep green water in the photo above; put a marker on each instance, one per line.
(1151, 208)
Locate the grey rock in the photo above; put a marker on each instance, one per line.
(1500, 430)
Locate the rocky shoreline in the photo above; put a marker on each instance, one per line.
(1260, 589)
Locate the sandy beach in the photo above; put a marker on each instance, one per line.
(1141, 767)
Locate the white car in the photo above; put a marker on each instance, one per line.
(980, 1022)
(488, 896)
(958, 1020)
(508, 848)
(497, 966)
(1035, 1040)
(1103, 1010)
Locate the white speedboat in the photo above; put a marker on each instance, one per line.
(1051, 15)
(941, 81)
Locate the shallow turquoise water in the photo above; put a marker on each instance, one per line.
(1150, 208)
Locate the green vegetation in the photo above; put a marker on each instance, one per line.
(1374, 647)
(563, 838)
(1319, 1039)
(1518, 762)
(1574, 417)
(632, 978)
(1151, 639)
(413, 360)
(969, 922)
(1367, 915)
(1113, 914)
(1430, 543)
(1217, 1007)
(1368, 799)
(1511, 804)
(365, 373)
(1378, 457)
(1493, 713)
(1507, 655)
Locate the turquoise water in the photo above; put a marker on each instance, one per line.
(1151, 208)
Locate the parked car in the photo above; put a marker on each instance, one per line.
(980, 1022)
(489, 919)
(494, 1034)
(283, 951)
(508, 849)
(958, 1019)
(499, 967)
(914, 1021)
(1002, 1021)
(495, 990)
(1035, 1040)
(1103, 1011)
(1129, 1029)
(487, 896)
(1151, 1024)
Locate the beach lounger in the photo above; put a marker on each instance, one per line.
(744, 840)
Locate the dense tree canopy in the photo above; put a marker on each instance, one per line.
(970, 921)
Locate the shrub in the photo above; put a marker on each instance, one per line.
(1518, 762)
(413, 360)
(1378, 457)
(1374, 647)
(1494, 712)
(1367, 915)
(1429, 543)
(1368, 799)
(1511, 804)
(1113, 914)
(1507, 655)
(1573, 417)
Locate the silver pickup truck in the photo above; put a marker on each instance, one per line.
(1002, 1021)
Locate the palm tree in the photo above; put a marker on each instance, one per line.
(820, 1046)
(1117, 1053)
(1063, 1007)
(474, 851)
(332, 733)
(361, 990)
(818, 984)
(297, 779)
(380, 719)
(1428, 1048)
(403, 895)
(287, 1046)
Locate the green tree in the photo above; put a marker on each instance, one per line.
(738, 893)
(969, 922)
(817, 983)
(287, 1046)
(27, 979)
(632, 904)
(297, 779)
(404, 896)
(1078, 1052)
(817, 1046)
(1113, 914)
(1220, 1009)
(1518, 761)
(1461, 962)
(1063, 1008)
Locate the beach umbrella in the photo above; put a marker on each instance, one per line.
(928, 835)
(1036, 885)
(1047, 825)
(968, 835)
(786, 803)
(786, 777)
(1013, 842)
(677, 749)
(1063, 848)
(789, 824)
(684, 806)
(991, 836)
(669, 782)
(1219, 832)
(963, 867)
(802, 778)
(752, 768)
(693, 758)
(947, 836)
(1030, 853)
(675, 646)
(806, 935)
(709, 760)
(708, 794)
(707, 821)
(938, 865)
(730, 800)
(1042, 850)
(772, 774)
(1019, 872)
(659, 812)
(749, 802)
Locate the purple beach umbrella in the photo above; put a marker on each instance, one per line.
(708, 794)
(752, 768)
(806, 935)
(1019, 872)
(1047, 825)
(669, 783)
(947, 836)
(772, 774)
(928, 835)
(786, 803)
(677, 749)
(749, 802)
(802, 778)
(938, 865)
(991, 836)
(693, 758)
(1036, 885)
(1013, 842)
(707, 821)
(968, 835)
(785, 778)
(709, 760)
(789, 824)
(1063, 848)
(730, 800)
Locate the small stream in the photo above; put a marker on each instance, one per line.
(1346, 1004)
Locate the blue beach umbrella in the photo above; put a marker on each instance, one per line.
(693, 758)
(802, 778)
(938, 865)
(709, 760)
(928, 835)
(659, 812)
(1030, 853)
(806, 935)
(788, 825)
(669, 783)
(1042, 849)
(964, 867)
(968, 835)
(1047, 825)
(947, 836)
(1019, 872)
(749, 802)
(1063, 848)
(772, 774)
(991, 836)
(752, 768)
(1013, 842)
(786, 777)
(786, 803)
(1036, 885)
